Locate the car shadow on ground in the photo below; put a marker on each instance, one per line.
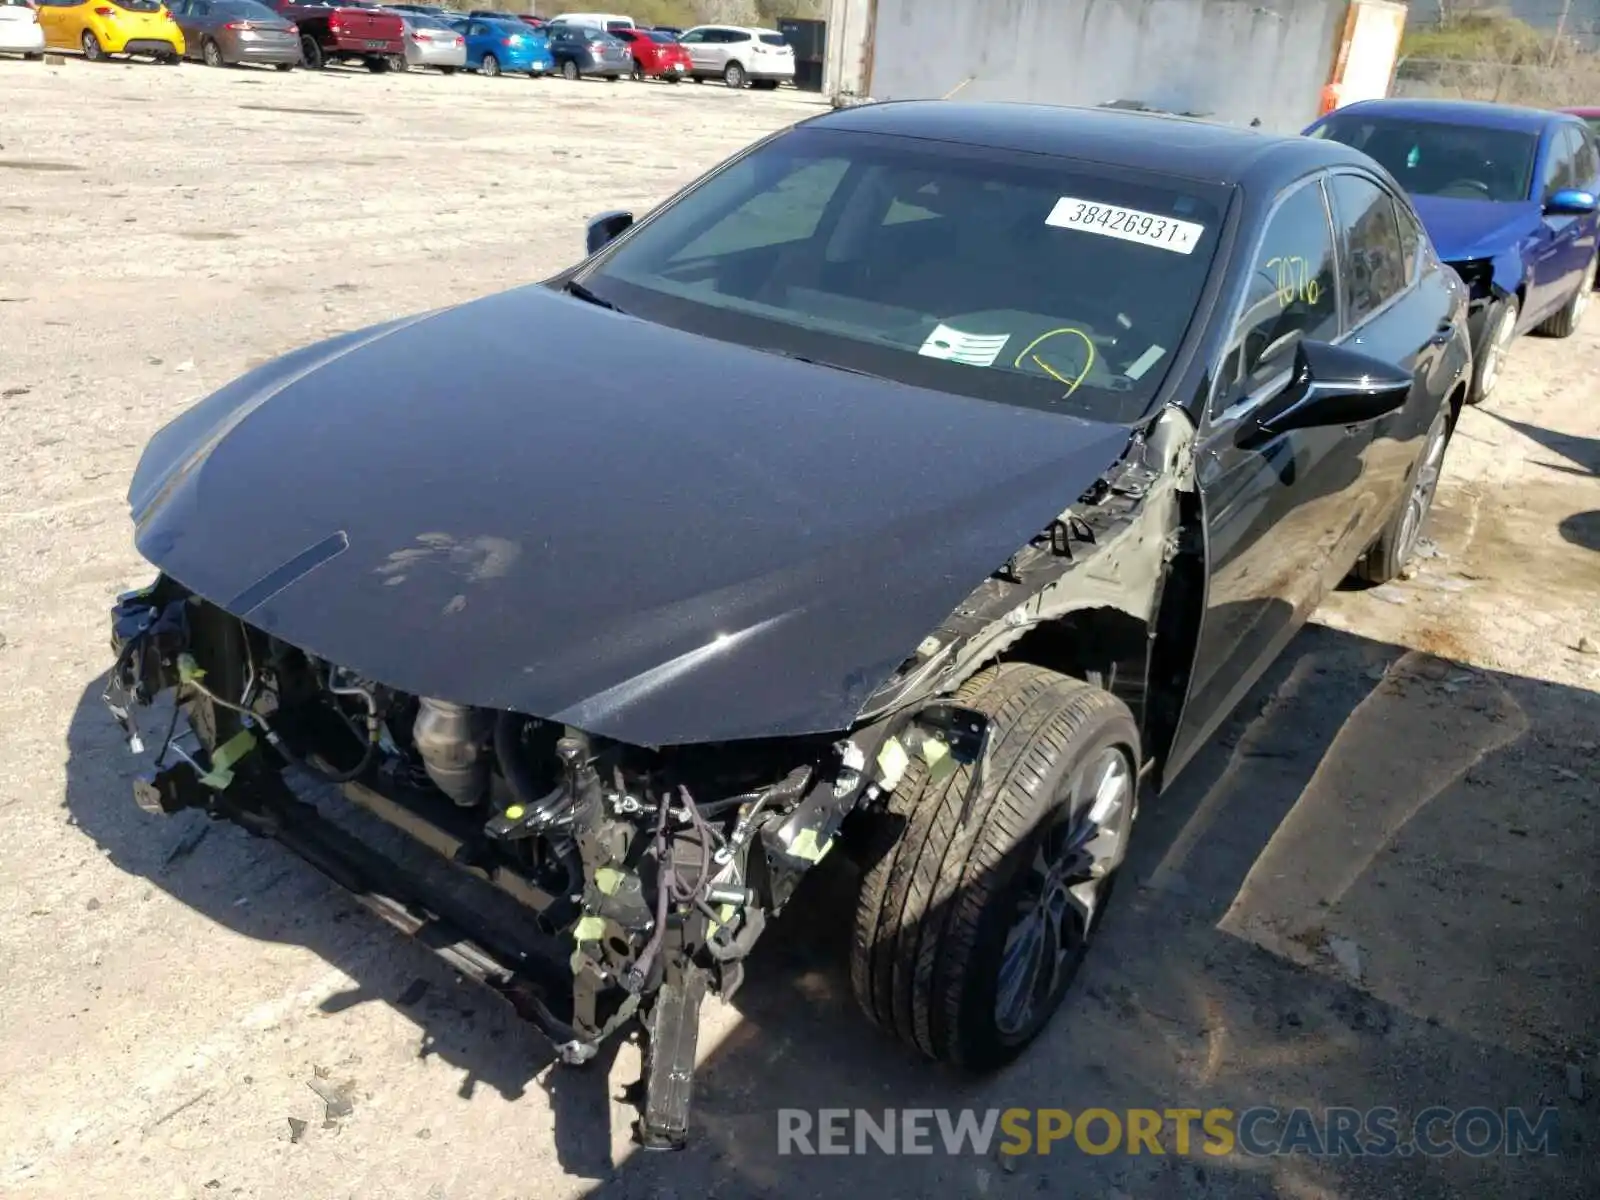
(1374, 887)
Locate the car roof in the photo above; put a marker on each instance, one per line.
(1157, 142)
(1462, 112)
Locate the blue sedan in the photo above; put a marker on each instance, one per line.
(1508, 196)
(508, 46)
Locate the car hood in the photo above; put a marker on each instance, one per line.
(1463, 229)
(531, 503)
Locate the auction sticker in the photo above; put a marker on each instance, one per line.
(1128, 224)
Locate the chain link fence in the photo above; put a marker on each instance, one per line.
(1572, 80)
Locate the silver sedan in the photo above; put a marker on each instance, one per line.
(430, 42)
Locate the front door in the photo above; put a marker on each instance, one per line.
(1560, 241)
(1278, 511)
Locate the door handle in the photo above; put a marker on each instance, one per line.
(1441, 336)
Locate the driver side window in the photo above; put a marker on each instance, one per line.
(1290, 296)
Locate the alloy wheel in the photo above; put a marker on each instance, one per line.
(491, 65)
(1063, 889)
(212, 53)
(1424, 485)
(91, 47)
(1495, 351)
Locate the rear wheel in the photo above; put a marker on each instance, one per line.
(1493, 343)
(92, 50)
(491, 66)
(637, 74)
(398, 63)
(971, 925)
(311, 53)
(1565, 322)
(569, 70)
(1389, 556)
(211, 53)
(733, 76)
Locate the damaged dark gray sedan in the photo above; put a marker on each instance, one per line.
(927, 482)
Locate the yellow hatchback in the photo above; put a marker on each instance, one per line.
(104, 27)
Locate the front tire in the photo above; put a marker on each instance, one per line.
(1565, 322)
(968, 934)
(1388, 557)
(92, 50)
(733, 76)
(1490, 349)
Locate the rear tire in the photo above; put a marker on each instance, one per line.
(311, 53)
(490, 66)
(92, 50)
(211, 53)
(1565, 322)
(1490, 348)
(1388, 557)
(942, 954)
(637, 74)
(398, 62)
(733, 75)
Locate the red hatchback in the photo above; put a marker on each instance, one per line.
(655, 55)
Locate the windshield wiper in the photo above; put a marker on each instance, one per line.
(574, 288)
(822, 362)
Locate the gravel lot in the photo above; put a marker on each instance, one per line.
(1377, 888)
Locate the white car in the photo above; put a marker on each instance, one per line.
(738, 55)
(19, 29)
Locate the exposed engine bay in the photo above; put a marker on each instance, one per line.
(649, 872)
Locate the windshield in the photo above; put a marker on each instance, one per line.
(1435, 158)
(1036, 281)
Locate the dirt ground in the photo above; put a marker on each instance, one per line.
(1378, 887)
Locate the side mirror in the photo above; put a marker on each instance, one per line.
(1328, 386)
(1571, 202)
(605, 227)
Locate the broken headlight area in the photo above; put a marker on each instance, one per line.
(1478, 275)
(649, 874)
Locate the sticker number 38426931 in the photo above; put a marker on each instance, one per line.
(1129, 224)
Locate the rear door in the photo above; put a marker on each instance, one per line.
(1391, 313)
(1275, 510)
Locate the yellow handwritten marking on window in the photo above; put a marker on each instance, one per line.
(1073, 382)
(1296, 279)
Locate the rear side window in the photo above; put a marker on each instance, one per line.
(1369, 237)
(773, 39)
(139, 6)
(1291, 295)
(1410, 240)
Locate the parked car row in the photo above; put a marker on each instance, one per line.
(1509, 198)
(315, 33)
